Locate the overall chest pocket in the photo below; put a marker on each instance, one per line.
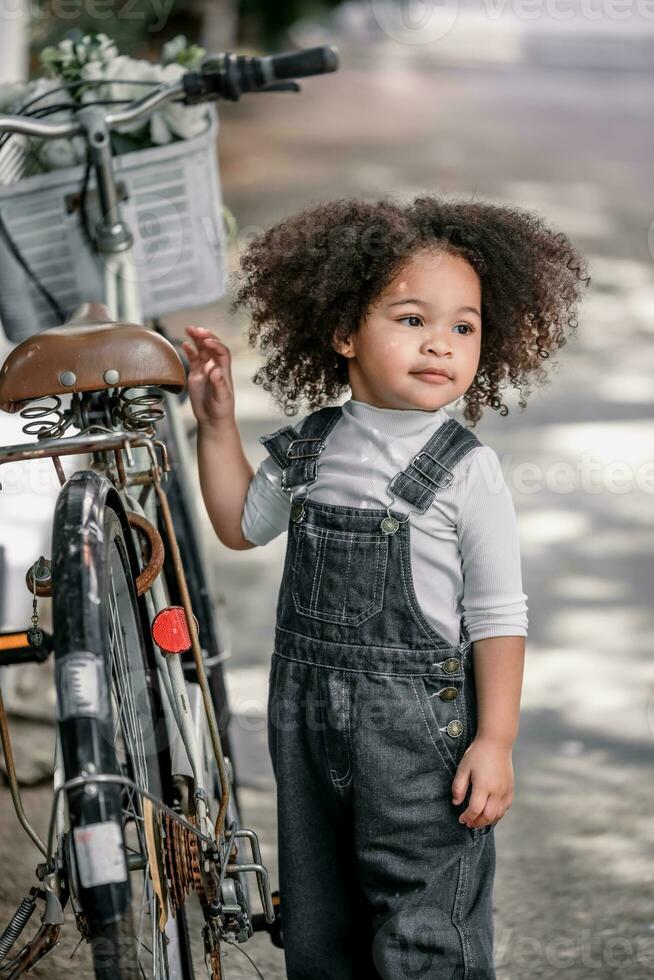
(338, 576)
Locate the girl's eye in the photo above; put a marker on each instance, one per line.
(414, 316)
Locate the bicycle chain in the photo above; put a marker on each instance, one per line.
(205, 887)
(181, 863)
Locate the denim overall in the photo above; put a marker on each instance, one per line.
(370, 711)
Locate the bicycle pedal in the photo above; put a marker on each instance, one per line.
(259, 923)
(24, 647)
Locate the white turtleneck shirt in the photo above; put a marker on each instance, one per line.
(465, 552)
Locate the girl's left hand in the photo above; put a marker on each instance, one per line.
(489, 765)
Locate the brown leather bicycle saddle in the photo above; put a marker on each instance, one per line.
(88, 353)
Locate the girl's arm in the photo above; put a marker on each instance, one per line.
(225, 473)
(225, 476)
(496, 616)
(494, 604)
(498, 667)
(493, 600)
(487, 762)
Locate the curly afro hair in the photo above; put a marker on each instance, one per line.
(313, 276)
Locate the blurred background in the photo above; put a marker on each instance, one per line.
(547, 106)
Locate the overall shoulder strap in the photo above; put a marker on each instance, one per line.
(297, 454)
(431, 469)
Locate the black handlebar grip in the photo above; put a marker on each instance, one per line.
(229, 75)
(300, 64)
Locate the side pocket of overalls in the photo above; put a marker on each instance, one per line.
(443, 699)
(271, 713)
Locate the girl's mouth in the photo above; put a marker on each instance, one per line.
(432, 377)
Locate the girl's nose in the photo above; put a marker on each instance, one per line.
(436, 345)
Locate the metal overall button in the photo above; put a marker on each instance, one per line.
(390, 524)
(448, 693)
(451, 665)
(435, 715)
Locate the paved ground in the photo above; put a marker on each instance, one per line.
(575, 853)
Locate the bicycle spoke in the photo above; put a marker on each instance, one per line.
(131, 757)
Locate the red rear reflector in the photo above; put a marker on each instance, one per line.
(170, 630)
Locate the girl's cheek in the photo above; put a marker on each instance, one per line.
(392, 347)
(399, 356)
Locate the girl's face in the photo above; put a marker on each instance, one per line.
(429, 316)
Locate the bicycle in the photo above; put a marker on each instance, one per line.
(143, 816)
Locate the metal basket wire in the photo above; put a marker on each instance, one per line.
(172, 201)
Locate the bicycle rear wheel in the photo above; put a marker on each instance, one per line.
(110, 721)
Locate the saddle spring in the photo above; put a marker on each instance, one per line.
(43, 427)
(138, 412)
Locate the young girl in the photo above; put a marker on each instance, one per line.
(399, 643)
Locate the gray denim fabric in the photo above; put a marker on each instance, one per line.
(378, 879)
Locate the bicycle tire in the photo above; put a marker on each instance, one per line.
(93, 571)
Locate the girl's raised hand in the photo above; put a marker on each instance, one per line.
(210, 385)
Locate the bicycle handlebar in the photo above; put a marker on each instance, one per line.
(236, 75)
(136, 110)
